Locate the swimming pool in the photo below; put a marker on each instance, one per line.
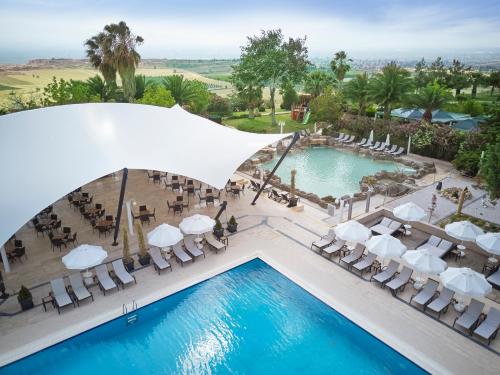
(249, 320)
(328, 171)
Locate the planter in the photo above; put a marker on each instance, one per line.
(232, 228)
(129, 265)
(218, 232)
(293, 202)
(26, 304)
(144, 260)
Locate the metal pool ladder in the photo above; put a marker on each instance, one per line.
(132, 316)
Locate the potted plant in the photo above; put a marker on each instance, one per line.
(25, 298)
(128, 261)
(292, 201)
(232, 225)
(144, 257)
(218, 229)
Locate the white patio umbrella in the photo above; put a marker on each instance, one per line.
(465, 282)
(463, 230)
(352, 231)
(388, 140)
(385, 246)
(425, 262)
(489, 242)
(84, 257)
(409, 212)
(164, 235)
(370, 138)
(197, 224)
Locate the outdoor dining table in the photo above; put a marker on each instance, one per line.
(45, 220)
(142, 213)
(104, 223)
(59, 236)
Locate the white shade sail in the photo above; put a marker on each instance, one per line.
(352, 231)
(409, 212)
(197, 224)
(465, 281)
(424, 261)
(84, 257)
(164, 235)
(489, 242)
(47, 153)
(463, 230)
(385, 246)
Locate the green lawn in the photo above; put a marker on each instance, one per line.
(262, 124)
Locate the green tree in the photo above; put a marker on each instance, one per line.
(316, 82)
(100, 57)
(219, 106)
(357, 91)
(390, 86)
(340, 66)
(183, 90)
(421, 74)
(140, 85)
(101, 89)
(65, 92)
(458, 76)
(476, 79)
(289, 96)
(248, 86)
(437, 72)
(201, 99)
(275, 61)
(327, 107)
(157, 95)
(494, 81)
(431, 97)
(490, 167)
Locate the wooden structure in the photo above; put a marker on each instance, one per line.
(299, 110)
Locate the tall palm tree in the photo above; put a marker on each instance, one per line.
(431, 97)
(317, 81)
(390, 86)
(124, 56)
(99, 55)
(183, 90)
(340, 66)
(357, 91)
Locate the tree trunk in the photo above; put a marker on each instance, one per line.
(387, 112)
(457, 92)
(272, 91)
(251, 109)
(362, 108)
(474, 90)
(128, 83)
(492, 90)
(427, 116)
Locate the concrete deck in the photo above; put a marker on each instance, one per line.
(268, 230)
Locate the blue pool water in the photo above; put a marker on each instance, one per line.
(249, 320)
(328, 171)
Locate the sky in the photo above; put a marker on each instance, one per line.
(217, 28)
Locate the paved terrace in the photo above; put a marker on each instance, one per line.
(268, 230)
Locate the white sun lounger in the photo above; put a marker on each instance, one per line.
(78, 289)
(470, 316)
(367, 144)
(386, 274)
(121, 273)
(489, 327)
(159, 262)
(494, 278)
(425, 296)
(380, 148)
(399, 152)
(105, 281)
(399, 282)
(350, 139)
(391, 150)
(341, 136)
(60, 295)
(333, 248)
(364, 263)
(440, 304)
(376, 145)
(363, 141)
(214, 243)
(324, 241)
(180, 254)
(356, 254)
(192, 248)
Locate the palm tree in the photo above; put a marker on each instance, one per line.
(357, 91)
(124, 56)
(99, 55)
(317, 81)
(104, 90)
(431, 97)
(183, 90)
(340, 65)
(140, 85)
(390, 86)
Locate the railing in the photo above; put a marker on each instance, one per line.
(132, 316)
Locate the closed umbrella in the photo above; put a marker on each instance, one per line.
(465, 282)
(409, 212)
(385, 246)
(425, 262)
(352, 231)
(164, 235)
(370, 138)
(388, 140)
(84, 257)
(197, 224)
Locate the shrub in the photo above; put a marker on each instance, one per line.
(327, 107)
(24, 294)
(490, 169)
(157, 95)
(468, 162)
(219, 106)
(289, 97)
(140, 238)
(126, 247)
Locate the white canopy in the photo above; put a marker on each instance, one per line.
(465, 281)
(489, 242)
(48, 152)
(463, 230)
(425, 261)
(385, 246)
(164, 235)
(409, 212)
(84, 257)
(197, 224)
(353, 231)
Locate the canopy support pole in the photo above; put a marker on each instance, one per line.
(222, 208)
(296, 137)
(120, 205)
(5, 260)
